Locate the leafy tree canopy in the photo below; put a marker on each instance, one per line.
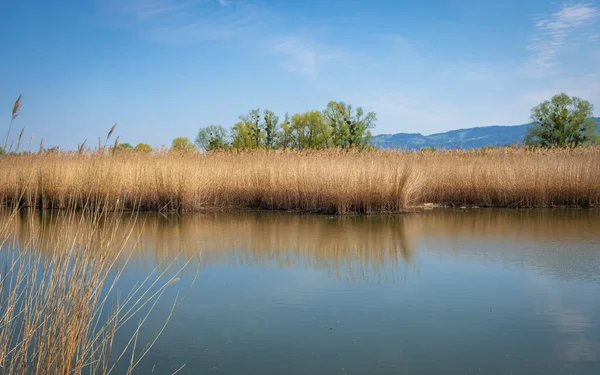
(143, 147)
(212, 137)
(182, 144)
(563, 121)
(124, 146)
(349, 127)
(339, 125)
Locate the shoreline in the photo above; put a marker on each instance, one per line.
(418, 209)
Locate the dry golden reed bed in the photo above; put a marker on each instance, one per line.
(329, 181)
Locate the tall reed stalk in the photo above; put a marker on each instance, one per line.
(15, 112)
(59, 308)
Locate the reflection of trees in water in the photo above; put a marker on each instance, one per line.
(354, 248)
(351, 248)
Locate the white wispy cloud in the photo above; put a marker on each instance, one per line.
(553, 32)
(184, 21)
(190, 21)
(302, 56)
(147, 9)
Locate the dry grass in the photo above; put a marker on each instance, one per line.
(328, 181)
(57, 307)
(514, 177)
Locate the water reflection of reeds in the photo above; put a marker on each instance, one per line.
(539, 225)
(352, 248)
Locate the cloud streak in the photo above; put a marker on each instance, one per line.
(188, 21)
(555, 31)
(195, 21)
(301, 56)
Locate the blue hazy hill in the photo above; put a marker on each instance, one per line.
(462, 138)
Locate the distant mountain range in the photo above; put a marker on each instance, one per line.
(462, 138)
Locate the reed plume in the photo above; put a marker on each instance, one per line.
(19, 140)
(115, 145)
(110, 132)
(16, 108)
(15, 112)
(81, 147)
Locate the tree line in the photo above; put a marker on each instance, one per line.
(339, 125)
(562, 121)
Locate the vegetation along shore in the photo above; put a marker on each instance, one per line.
(319, 161)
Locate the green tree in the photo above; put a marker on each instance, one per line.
(124, 147)
(349, 127)
(143, 147)
(286, 138)
(248, 132)
(182, 144)
(562, 121)
(241, 135)
(2, 152)
(253, 119)
(212, 137)
(310, 130)
(271, 128)
(335, 114)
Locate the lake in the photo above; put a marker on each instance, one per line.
(477, 291)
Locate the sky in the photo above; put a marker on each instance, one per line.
(165, 68)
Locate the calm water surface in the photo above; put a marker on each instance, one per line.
(440, 292)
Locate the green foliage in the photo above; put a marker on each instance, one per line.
(309, 130)
(2, 152)
(562, 121)
(143, 147)
(124, 147)
(271, 129)
(339, 125)
(252, 121)
(428, 149)
(349, 127)
(286, 137)
(241, 135)
(212, 137)
(248, 133)
(182, 144)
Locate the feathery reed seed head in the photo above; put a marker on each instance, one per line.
(16, 108)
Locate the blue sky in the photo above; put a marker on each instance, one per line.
(164, 68)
